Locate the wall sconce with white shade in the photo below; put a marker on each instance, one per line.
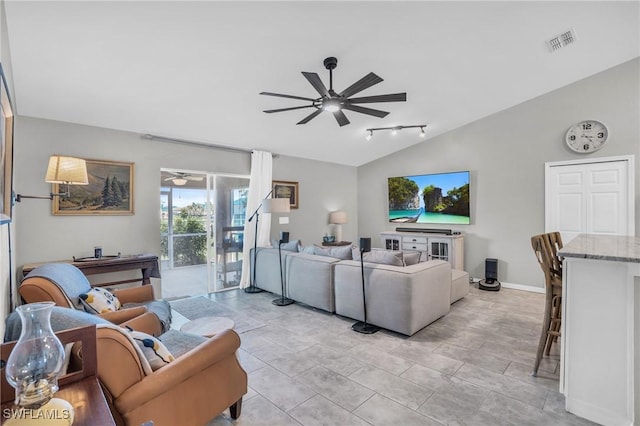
(338, 219)
(62, 170)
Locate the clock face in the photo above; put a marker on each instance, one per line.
(587, 136)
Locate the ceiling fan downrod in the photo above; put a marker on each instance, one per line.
(331, 63)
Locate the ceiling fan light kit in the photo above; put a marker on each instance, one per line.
(335, 103)
(181, 178)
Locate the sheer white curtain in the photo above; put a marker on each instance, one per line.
(259, 187)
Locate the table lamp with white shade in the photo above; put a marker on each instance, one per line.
(338, 219)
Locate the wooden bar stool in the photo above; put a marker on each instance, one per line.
(545, 247)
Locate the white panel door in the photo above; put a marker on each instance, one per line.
(590, 197)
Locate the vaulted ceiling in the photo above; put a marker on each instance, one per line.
(194, 70)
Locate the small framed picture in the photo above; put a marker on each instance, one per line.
(284, 189)
(109, 192)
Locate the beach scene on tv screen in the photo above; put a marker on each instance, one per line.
(434, 198)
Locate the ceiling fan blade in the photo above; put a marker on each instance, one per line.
(363, 110)
(341, 118)
(280, 95)
(310, 117)
(317, 84)
(269, 111)
(364, 83)
(171, 178)
(394, 97)
(194, 178)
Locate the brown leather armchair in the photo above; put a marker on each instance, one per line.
(203, 380)
(62, 283)
(191, 390)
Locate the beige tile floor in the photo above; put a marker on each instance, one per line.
(471, 367)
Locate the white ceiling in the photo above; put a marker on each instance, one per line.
(193, 70)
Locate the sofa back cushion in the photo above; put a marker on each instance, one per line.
(385, 257)
(290, 246)
(339, 252)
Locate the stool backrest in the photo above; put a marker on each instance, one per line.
(545, 247)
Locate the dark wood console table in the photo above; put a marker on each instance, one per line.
(147, 263)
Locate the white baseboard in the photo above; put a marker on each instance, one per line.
(523, 287)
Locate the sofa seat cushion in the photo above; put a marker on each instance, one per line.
(179, 343)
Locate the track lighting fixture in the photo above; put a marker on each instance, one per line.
(396, 129)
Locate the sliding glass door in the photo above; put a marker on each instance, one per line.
(202, 223)
(227, 229)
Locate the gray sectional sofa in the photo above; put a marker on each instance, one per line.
(404, 299)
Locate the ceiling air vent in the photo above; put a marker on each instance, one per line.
(561, 40)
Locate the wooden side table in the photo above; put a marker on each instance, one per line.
(146, 263)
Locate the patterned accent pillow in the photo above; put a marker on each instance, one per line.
(384, 257)
(153, 349)
(98, 301)
(339, 252)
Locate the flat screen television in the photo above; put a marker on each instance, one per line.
(435, 198)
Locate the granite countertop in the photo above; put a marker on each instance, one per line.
(603, 247)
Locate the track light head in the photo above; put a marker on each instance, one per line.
(422, 133)
(369, 135)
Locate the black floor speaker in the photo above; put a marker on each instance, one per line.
(490, 281)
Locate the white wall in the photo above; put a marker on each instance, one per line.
(41, 236)
(5, 259)
(324, 187)
(505, 153)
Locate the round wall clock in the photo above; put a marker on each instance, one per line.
(587, 136)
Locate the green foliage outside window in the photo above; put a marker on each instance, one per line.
(187, 250)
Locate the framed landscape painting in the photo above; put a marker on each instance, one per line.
(284, 189)
(6, 151)
(109, 192)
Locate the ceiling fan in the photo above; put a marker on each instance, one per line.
(180, 178)
(334, 102)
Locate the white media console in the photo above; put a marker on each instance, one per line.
(431, 245)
